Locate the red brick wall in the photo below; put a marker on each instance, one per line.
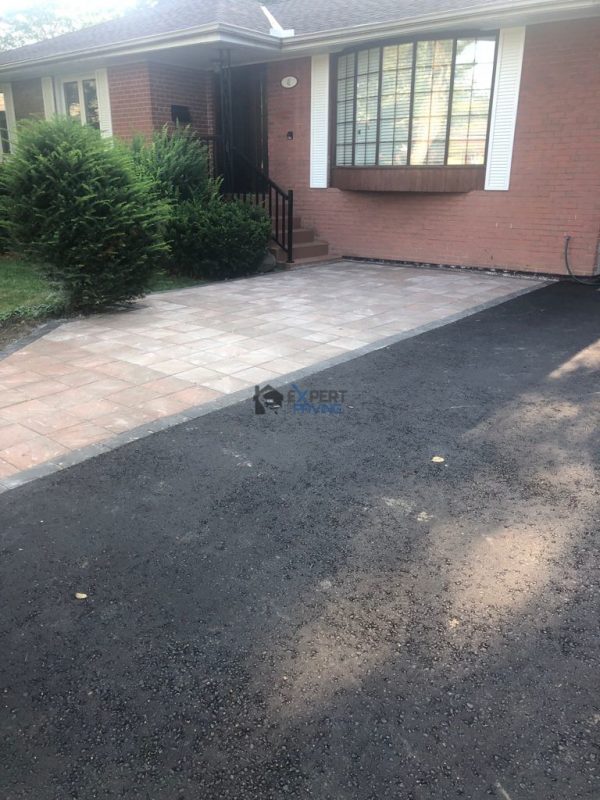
(130, 100)
(555, 184)
(141, 96)
(182, 87)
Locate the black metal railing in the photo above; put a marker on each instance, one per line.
(243, 180)
(251, 185)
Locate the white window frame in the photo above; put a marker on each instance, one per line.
(102, 93)
(11, 121)
(78, 79)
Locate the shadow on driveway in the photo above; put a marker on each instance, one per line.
(307, 606)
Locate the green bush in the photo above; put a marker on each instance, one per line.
(76, 204)
(218, 239)
(177, 162)
(207, 237)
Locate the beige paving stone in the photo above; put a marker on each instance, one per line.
(31, 452)
(14, 433)
(81, 435)
(282, 366)
(128, 372)
(255, 357)
(229, 366)
(91, 362)
(227, 384)
(80, 377)
(348, 343)
(98, 408)
(50, 422)
(104, 386)
(204, 358)
(10, 397)
(57, 369)
(256, 375)
(41, 388)
(195, 396)
(72, 396)
(14, 380)
(125, 419)
(163, 406)
(165, 386)
(199, 375)
(132, 398)
(6, 469)
(23, 410)
(174, 366)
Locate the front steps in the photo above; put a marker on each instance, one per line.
(307, 248)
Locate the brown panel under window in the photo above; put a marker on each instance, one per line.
(408, 179)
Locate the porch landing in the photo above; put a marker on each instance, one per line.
(91, 384)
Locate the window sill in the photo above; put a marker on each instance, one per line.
(408, 179)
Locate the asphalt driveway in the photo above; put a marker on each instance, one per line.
(307, 605)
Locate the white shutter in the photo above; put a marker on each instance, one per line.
(48, 96)
(319, 122)
(11, 122)
(504, 108)
(103, 102)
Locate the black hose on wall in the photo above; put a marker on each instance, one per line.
(595, 281)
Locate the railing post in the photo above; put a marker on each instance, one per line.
(290, 241)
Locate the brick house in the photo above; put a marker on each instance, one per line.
(462, 132)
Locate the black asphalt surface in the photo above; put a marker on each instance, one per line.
(301, 606)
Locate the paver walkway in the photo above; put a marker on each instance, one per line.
(94, 378)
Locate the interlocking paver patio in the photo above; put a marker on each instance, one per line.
(93, 378)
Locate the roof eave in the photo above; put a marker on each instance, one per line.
(203, 34)
(511, 13)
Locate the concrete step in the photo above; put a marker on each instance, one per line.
(302, 250)
(311, 249)
(303, 235)
(297, 223)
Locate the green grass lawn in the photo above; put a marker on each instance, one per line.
(162, 282)
(26, 293)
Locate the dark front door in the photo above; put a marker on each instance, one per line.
(249, 114)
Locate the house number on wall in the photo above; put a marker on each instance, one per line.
(289, 82)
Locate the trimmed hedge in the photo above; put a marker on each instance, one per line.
(207, 236)
(218, 238)
(176, 162)
(75, 203)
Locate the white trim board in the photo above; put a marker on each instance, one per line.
(104, 111)
(505, 104)
(319, 122)
(11, 120)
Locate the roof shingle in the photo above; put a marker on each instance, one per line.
(303, 16)
(169, 16)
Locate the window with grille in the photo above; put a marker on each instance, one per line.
(424, 103)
